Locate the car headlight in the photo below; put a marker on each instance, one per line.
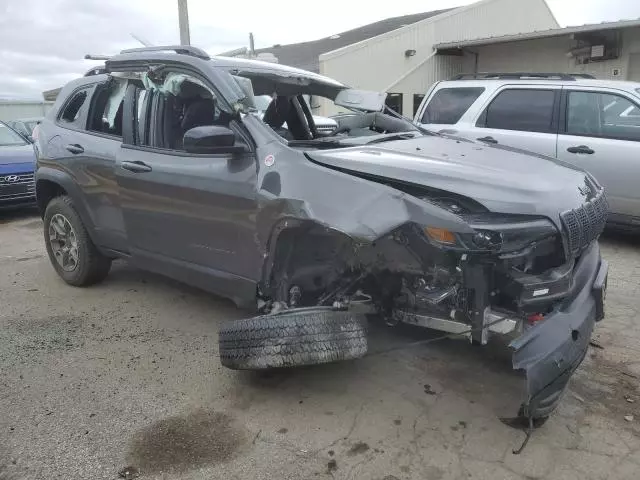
(494, 233)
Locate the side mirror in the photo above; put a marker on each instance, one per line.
(209, 139)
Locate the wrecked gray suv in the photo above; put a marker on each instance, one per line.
(165, 161)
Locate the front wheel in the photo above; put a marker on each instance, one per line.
(71, 251)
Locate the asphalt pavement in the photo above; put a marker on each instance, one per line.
(122, 380)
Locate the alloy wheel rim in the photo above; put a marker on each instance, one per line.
(64, 242)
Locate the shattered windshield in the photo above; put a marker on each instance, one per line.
(317, 112)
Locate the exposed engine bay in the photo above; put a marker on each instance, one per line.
(511, 275)
(507, 276)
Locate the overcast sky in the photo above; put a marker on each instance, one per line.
(43, 42)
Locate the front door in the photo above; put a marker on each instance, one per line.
(600, 133)
(191, 216)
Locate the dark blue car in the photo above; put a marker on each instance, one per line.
(17, 163)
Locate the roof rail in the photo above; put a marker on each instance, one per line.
(96, 71)
(521, 75)
(179, 49)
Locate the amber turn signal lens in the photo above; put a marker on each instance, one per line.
(441, 235)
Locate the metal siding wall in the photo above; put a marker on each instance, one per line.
(435, 69)
(634, 67)
(15, 110)
(378, 62)
(549, 55)
(500, 17)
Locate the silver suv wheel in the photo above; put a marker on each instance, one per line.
(64, 243)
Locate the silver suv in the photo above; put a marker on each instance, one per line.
(593, 124)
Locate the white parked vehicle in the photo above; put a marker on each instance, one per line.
(593, 124)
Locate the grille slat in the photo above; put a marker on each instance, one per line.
(21, 187)
(585, 223)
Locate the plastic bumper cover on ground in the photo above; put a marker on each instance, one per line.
(551, 351)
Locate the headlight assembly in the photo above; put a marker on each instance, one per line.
(494, 233)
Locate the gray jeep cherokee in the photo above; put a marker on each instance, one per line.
(162, 159)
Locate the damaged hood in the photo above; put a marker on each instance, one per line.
(502, 179)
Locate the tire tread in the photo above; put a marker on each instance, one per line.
(292, 339)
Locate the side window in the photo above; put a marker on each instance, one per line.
(167, 111)
(394, 102)
(107, 108)
(602, 115)
(520, 109)
(73, 112)
(449, 104)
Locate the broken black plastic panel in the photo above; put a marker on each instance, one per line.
(550, 351)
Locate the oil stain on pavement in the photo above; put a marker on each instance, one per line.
(185, 442)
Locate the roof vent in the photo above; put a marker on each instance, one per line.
(333, 37)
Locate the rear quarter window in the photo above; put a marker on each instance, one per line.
(449, 104)
(73, 112)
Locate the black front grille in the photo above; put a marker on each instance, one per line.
(585, 223)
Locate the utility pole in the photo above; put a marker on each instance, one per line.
(183, 19)
(252, 46)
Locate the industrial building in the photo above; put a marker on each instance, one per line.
(605, 50)
(489, 35)
(15, 109)
(405, 63)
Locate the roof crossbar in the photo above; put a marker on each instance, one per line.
(179, 49)
(521, 75)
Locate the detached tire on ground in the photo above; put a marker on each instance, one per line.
(292, 339)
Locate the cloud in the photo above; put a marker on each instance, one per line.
(43, 42)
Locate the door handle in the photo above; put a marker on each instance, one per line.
(75, 148)
(136, 166)
(581, 149)
(488, 140)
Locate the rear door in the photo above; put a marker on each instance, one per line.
(600, 132)
(519, 116)
(189, 216)
(85, 145)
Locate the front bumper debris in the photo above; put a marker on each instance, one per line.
(552, 350)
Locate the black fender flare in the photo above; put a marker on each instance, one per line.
(270, 248)
(65, 182)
